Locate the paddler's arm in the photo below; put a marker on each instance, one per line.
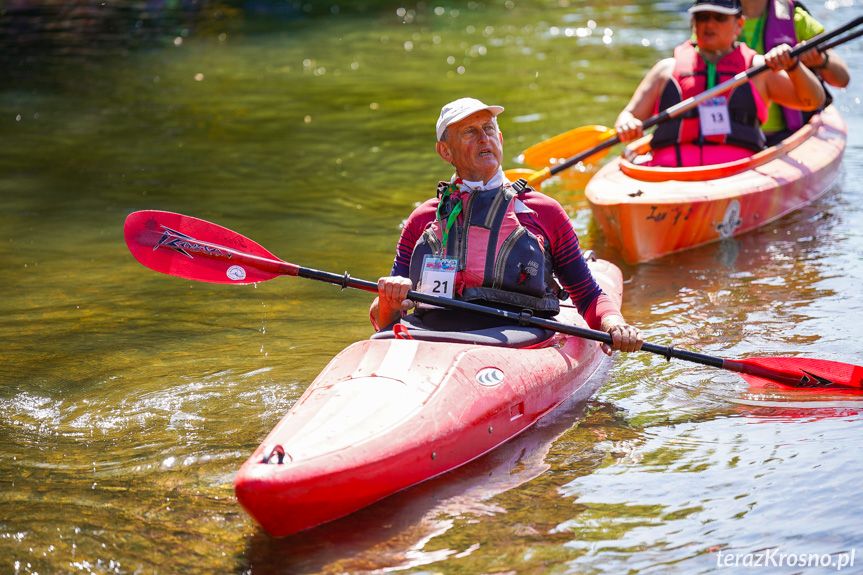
(391, 301)
(828, 65)
(626, 337)
(599, 310)
(604, 311)
(642, 105)
(789, 83)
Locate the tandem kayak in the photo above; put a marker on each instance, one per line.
(399, 408)
(647, 212)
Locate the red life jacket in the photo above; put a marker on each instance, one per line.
(689, 79)
(499, 260)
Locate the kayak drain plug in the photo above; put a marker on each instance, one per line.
(276, 450)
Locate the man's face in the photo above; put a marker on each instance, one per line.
(474, 146)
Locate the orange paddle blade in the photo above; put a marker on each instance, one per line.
(568, 144)
(517, 173)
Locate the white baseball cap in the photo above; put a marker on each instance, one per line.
(461, 109)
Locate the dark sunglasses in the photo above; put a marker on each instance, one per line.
(706, 16)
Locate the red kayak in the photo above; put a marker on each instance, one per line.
(390, 412)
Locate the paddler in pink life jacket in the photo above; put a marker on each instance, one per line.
(771, 23)
(726, 128)
(487, 240)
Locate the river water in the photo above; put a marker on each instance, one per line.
(129, 399)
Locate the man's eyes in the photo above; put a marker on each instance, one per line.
(489, 129)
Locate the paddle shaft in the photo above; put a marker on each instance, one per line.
(191, 248)
(818, 42)
(525, 318)
(280, 267)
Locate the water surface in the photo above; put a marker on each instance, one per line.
(129, 398)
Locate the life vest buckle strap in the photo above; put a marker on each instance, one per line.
(524, 317)
(519, 185)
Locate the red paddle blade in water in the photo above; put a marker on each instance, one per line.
(198, 250)
(815, 374)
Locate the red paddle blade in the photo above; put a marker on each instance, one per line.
(198, 250)
(815, 374)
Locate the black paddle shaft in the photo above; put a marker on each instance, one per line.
(274, 267)
(526, 318)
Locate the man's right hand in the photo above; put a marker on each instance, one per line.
(391, 301)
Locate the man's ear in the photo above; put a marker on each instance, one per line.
(444, 152)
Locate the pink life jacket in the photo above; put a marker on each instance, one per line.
(499, 260)
(689, 78)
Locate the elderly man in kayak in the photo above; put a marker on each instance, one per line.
(444, 246)
(728, 127)
(771, 23)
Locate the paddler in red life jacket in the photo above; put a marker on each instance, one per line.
(486, 240)
(771, 23)
(728, 127)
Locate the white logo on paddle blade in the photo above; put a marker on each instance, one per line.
(236, 273)
(489, 376)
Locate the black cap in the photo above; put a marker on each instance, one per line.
(719, 6)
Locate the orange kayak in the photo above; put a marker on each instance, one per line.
(647, 212)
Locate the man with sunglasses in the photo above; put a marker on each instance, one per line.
(728, 127)
(770, 23)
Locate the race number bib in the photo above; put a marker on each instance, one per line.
(713, 114)
(438, 277)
